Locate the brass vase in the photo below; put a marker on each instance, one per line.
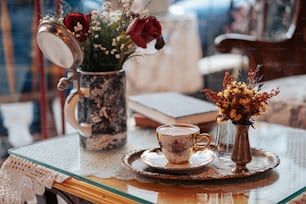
(241, 153)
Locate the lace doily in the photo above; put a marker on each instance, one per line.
(71, 159)
(21, 180)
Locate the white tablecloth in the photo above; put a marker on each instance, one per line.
(21, 179)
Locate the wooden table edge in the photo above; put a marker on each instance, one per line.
(90, 192)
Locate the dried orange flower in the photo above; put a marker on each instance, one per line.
(240, 101)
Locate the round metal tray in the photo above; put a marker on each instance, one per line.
(262, 161)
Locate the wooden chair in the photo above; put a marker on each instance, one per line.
(284, 66)
(280, 57)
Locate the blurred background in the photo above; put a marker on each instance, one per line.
(26, 116)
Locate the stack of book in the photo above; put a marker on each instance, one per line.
(153, 109)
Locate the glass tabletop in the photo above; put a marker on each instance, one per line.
(105, 170)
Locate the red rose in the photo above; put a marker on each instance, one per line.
(144, 30)
(78, 23)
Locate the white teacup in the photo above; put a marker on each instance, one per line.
(179, 141)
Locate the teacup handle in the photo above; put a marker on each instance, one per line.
(200, 139)
(70, 109)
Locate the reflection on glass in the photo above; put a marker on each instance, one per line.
(224, 144)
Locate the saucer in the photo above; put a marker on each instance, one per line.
(155, 158)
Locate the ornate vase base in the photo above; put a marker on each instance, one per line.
(240, 169)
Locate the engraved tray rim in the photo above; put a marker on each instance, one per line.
(212, 173)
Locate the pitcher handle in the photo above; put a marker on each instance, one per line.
(70, 109)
